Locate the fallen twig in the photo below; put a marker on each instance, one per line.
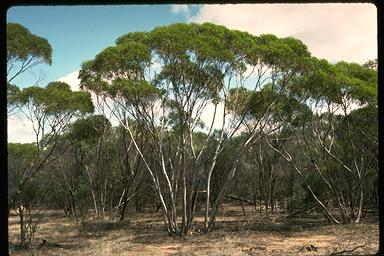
(239, 199)
(347, 251)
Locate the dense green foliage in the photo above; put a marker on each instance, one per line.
(22, 44)
(25, 50)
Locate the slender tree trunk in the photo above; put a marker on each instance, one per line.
(194, 201)
(72, 203)
(193, 195)
(328, 213)
(92, 192)
(183, 230)
(261, 194)
(104, 202)
(360, 211)
(254, 195)
(122, 205)
(272, 194)
(208, 191)
(95, 203)
(341, 208)
(22, 226)
(222, 192)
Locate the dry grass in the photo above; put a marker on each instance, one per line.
(234, 234)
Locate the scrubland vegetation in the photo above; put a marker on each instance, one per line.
(194, 139)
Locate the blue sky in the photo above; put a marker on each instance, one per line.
(78, 33)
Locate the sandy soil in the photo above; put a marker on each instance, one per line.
(234, 234)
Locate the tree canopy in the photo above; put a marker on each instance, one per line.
(56, 98)
(25, 49)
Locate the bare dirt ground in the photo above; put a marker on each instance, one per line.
(234, 234)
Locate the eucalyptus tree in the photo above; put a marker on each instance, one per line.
(167, 78)
(88, 138)
(24, 51)
(356, 145)
(265, 174)
(49, 110)
(276, 61)
(105, 156)
(356, 87)
(130, 169)
(331, 92)
(269, 119)
(19, 158)
(68, 182)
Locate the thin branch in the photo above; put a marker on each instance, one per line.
(347, 251)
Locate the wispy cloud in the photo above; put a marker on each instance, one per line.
(181, 9)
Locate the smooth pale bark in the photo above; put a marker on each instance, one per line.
(171, 226)
(361, 202)
(92, 190)
(208, 188)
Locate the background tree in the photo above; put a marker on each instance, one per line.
(50, 110)
(331, 92)
(88, 136)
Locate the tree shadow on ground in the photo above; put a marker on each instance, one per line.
(281, 224)
(98, 228)
(154, 232)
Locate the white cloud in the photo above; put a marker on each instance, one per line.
(207, 115)
(331, 31)
(20, 130)
(181, 9)
(74, 82)
(72, 79)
